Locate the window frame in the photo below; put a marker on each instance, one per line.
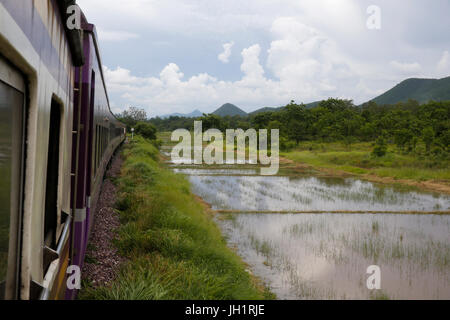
(13, 78)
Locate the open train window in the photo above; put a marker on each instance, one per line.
(12, 111)
(51, 189)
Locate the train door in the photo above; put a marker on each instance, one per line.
(12, 117)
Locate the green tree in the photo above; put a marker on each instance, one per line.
(403, 137)
(428, 137)
(212, 121)
(147, 130)
(380, 148)
(132, 116)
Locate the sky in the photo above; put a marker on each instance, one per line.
(180, 55)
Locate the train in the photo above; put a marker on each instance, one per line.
(57, 136)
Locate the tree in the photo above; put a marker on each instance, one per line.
(135, 114)
(132, 116)
(296, 120)
(428, 137)
(147, 130)
(212, 121)
(403, 137)
(380, 149)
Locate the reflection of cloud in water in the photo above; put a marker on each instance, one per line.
(326, 256)
(329, 259)
(310, 193)
(216, 171)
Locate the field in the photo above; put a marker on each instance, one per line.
(357, 159)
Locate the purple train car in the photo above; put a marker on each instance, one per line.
(57, 135)
(99, 137)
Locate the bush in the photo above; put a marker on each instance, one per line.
(380, 148)
(147, 130)
(287, 145)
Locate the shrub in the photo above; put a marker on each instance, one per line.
(380, 148)
(147, 130)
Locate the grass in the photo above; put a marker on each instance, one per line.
(357, 159)
(174, 249)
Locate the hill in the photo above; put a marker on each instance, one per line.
(422, 90)
(229, 109)
(266, 109)
(193, 114)
(313, 104)
(274, 109)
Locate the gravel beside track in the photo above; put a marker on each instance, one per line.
(103, 261)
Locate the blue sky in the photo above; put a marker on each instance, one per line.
(176, 56)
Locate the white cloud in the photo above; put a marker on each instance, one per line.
(225, 55)
(443, 67)
(406, 68)
(307, 62)
(307, 66)
(116, 35)
(304, 50)
(252, 69)
(171, 92)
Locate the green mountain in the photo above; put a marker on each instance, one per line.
(313, 104)
(194, 114)
(270, 109)
(266, 109)
(229, 109)
(422, 90)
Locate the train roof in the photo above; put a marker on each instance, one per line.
(89, 27)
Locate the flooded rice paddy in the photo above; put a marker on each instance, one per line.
(325, 255)
(272, 193)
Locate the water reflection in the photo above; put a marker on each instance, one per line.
(312, 256)
(325, 256)
(259, 193)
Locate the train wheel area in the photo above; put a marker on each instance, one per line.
(102, 261)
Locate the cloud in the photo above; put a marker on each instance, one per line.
(116, 35)
(225, 55)
(171, 91)
(306, 64)
(406, 68)
(252, 69)
(303, 50)
(443, 67)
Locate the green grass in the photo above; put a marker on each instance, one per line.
(175, 249)
(357, 159)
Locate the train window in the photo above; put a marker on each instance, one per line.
(12, 104)
(100, 149)
(96, 149)
(103, 143)
(51, 192)
(91, 153)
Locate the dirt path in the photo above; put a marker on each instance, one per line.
(102, 260)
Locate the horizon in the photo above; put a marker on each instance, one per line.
(179, 114)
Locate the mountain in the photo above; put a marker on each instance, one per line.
(313, 104)
(266, 109)
(193, 114)
(274, 109)
(229, 109)
(421, 90)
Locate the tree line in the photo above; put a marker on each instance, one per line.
(408, 125)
